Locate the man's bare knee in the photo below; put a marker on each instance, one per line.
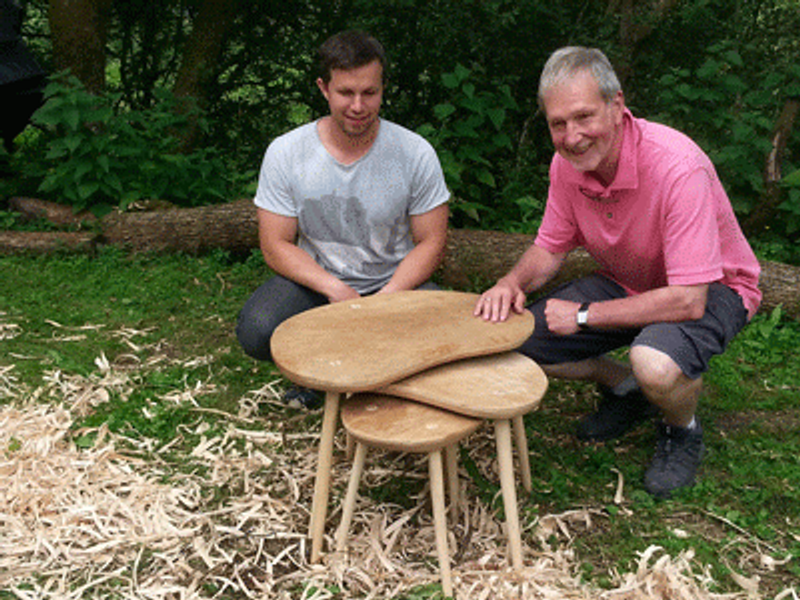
(656, 372)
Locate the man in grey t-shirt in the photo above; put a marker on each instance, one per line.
(350, 204)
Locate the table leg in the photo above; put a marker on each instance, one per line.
(451, 471)
(522, 453)
(502, 429)
(352, 494)
(436, 473)
(322, 484)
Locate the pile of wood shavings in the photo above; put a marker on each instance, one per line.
(91, 523)
(75, 515)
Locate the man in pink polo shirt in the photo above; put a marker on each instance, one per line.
(677, 278)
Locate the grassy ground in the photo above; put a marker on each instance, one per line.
(742, 519)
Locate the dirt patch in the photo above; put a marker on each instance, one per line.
(783, 421)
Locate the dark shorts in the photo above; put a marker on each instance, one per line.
(691, 344)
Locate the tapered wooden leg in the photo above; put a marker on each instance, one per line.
(349, 446)
(435, 469)
(352, 494)
(522, 453)
(502, 428)
(322, 484)
(453, 489)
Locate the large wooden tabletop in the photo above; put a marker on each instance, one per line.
(369, 342)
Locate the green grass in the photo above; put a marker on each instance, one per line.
(71, 310)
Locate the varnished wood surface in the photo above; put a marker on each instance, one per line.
(370, 342)
(393, 423)
(500, 386)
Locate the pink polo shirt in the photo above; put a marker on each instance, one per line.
(664, 220)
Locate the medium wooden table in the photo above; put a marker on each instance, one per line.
(371, 342)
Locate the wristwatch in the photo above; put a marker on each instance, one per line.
(583, 316)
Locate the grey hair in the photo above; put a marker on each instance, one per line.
(566, 62)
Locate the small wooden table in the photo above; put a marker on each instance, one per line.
(368, 343)
(501, 388)
(381, 421)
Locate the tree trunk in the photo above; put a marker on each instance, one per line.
(474, 259)
(230, 226)
(637, 21)
(201, 56)
(766, 208)
(79, 29)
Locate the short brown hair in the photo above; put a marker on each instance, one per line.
(349, 50)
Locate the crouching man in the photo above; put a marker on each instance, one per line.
(677, 278)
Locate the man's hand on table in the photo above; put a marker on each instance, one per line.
(496, 304)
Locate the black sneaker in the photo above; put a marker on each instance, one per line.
(615, 415)
(678, 455)
(298, 397)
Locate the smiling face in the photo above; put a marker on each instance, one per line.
(354, 97)
(585, 128)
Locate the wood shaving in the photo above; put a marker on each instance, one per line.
(8, 330)
(101, 522)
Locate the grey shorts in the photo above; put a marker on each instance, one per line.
(691, 344)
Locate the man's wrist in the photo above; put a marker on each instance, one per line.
(582, 318)
(513, 281)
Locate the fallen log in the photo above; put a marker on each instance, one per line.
(45, 242)
(474, 260)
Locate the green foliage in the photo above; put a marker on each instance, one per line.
(767, 344)
(775, 247)
(726, 115)
(730, 111)
(13, 221)
(95, 155)
(716, 69)
(791, 206)
(473, 142)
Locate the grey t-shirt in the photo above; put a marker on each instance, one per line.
(353, 219)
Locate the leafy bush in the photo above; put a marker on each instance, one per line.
(474, 145)
(731, 113)
(791, 206)
(94, 154)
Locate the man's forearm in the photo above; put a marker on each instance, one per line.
(662, 305)
(535, 268)
(296, 264)
(416, 268)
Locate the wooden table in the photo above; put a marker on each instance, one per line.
(371, 342)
